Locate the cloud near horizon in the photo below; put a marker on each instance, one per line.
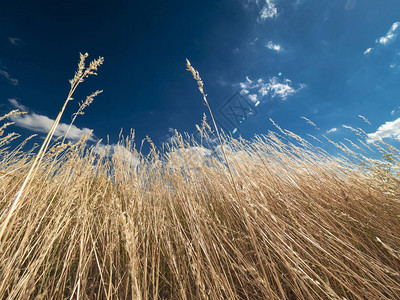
(390, 129)
(126, 155)
(197, 153)
(41, 123)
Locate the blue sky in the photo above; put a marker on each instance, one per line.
(328, 61)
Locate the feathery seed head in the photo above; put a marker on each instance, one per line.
(12, 113)
(196, 76)
(87, 102)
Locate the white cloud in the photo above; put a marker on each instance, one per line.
(223, 82)
(244, 86)
(283, 89)
(268, 11)
(272, 87)
(170, 137)
(197, 151)
(334, 129)
(15, 41)
(393, 112)
(17, 105)
(390, 129)
(231, 153)
(119, 152)
(41, 123)
(275, 47)
(13, 81)
(253, 97)
(189, 154)
(266, 8)
(254, 41)
(386, 39)
(390, 35)
(368, 51)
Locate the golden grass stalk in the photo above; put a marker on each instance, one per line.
(79, 77)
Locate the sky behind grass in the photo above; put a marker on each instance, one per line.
(328, 61)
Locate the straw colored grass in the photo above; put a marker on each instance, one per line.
(272, 218)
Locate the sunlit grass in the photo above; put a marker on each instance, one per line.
(274, 218)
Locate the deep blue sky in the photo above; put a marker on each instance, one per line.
(329, 61)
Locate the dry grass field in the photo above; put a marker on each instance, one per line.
(272, 218)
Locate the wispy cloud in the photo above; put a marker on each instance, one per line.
(15, 41)
(13, 81)
(368, 51)
(390, 35)
(272, 87)
(120, 151)
(190, 153)
(297, 3)
(268, 11)
(16, 104)
(253, 42)
(222, 82)
(395, 111)
(390, 130)
(334, 129)
(266, 8)
(274, 47)
(40, 123)
(170, 136)
(253, 97)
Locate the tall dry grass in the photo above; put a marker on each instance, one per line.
(285, 221)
